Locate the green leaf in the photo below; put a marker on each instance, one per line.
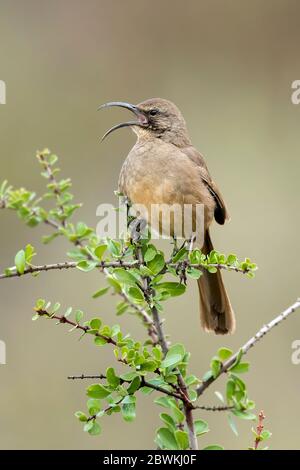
(168, 420)
(172, 288)
(215, 366)
(166, 439)
(68, 312)
(214, 447)
(240, 368)
(123, 276)
(99, 251)
(112, 378)
(178, 414)
(194, 273)
(230, 389)
(201, 427)
(182, 439)
(94, 406)
(20, 261)
(95, 323)
(136, 294)
(78, 316)
(97, 391)
(114, 247)
(174, 356)
(265, 435)
(86, 265)
(224, 353)
(128, 408)
(212, 269)
(150, 253)
(166, 402)
(134, 386)
(99, 341)
(232, 424)
(156, 264)
(100, 292)
(81, 416)
(29, 253)
(231, 259)
(40, 304)
(93, 428)
(191, 380)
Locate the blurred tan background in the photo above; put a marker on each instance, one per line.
(229, 66)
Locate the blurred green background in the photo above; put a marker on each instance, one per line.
(229, 66)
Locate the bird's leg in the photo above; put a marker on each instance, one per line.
(175, 247)
(190, 242)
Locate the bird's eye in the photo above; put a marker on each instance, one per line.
(153, 112)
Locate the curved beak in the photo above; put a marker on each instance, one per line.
(141, 120)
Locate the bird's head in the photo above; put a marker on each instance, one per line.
(154, 118)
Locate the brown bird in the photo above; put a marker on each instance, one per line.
(163, 167)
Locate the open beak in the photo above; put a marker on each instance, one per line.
(141, 118)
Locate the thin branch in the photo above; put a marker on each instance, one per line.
(213, 408)
(62, 319)
(144, 383)
(182, 388)
(56, 189)
(108, 264)
(66, 265)
(250, 343)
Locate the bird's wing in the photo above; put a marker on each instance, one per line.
(221, 212)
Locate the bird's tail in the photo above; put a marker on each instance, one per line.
(216, 313)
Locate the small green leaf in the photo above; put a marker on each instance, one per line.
(215, 366)
(97, 391)
(95, 323)
(128, 408)
(265, 435)
(81, 416)
(94, 406)
(112, 378)
(194, 273)
(40, 304)
(20, 261)
(182, 439)
(78, 316)
(99, 251)
(86, 265)
(232, 424)
(172, 288)
(174, 356)
(224, 353)
(166, 439)
(134, 386)
(100, 292)
(201, 427)
(93, 428)
(168, 420)
(150, 253)
(156, 264)
(164, 401)
(125, 277)
(240, 368)
(136, 294)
